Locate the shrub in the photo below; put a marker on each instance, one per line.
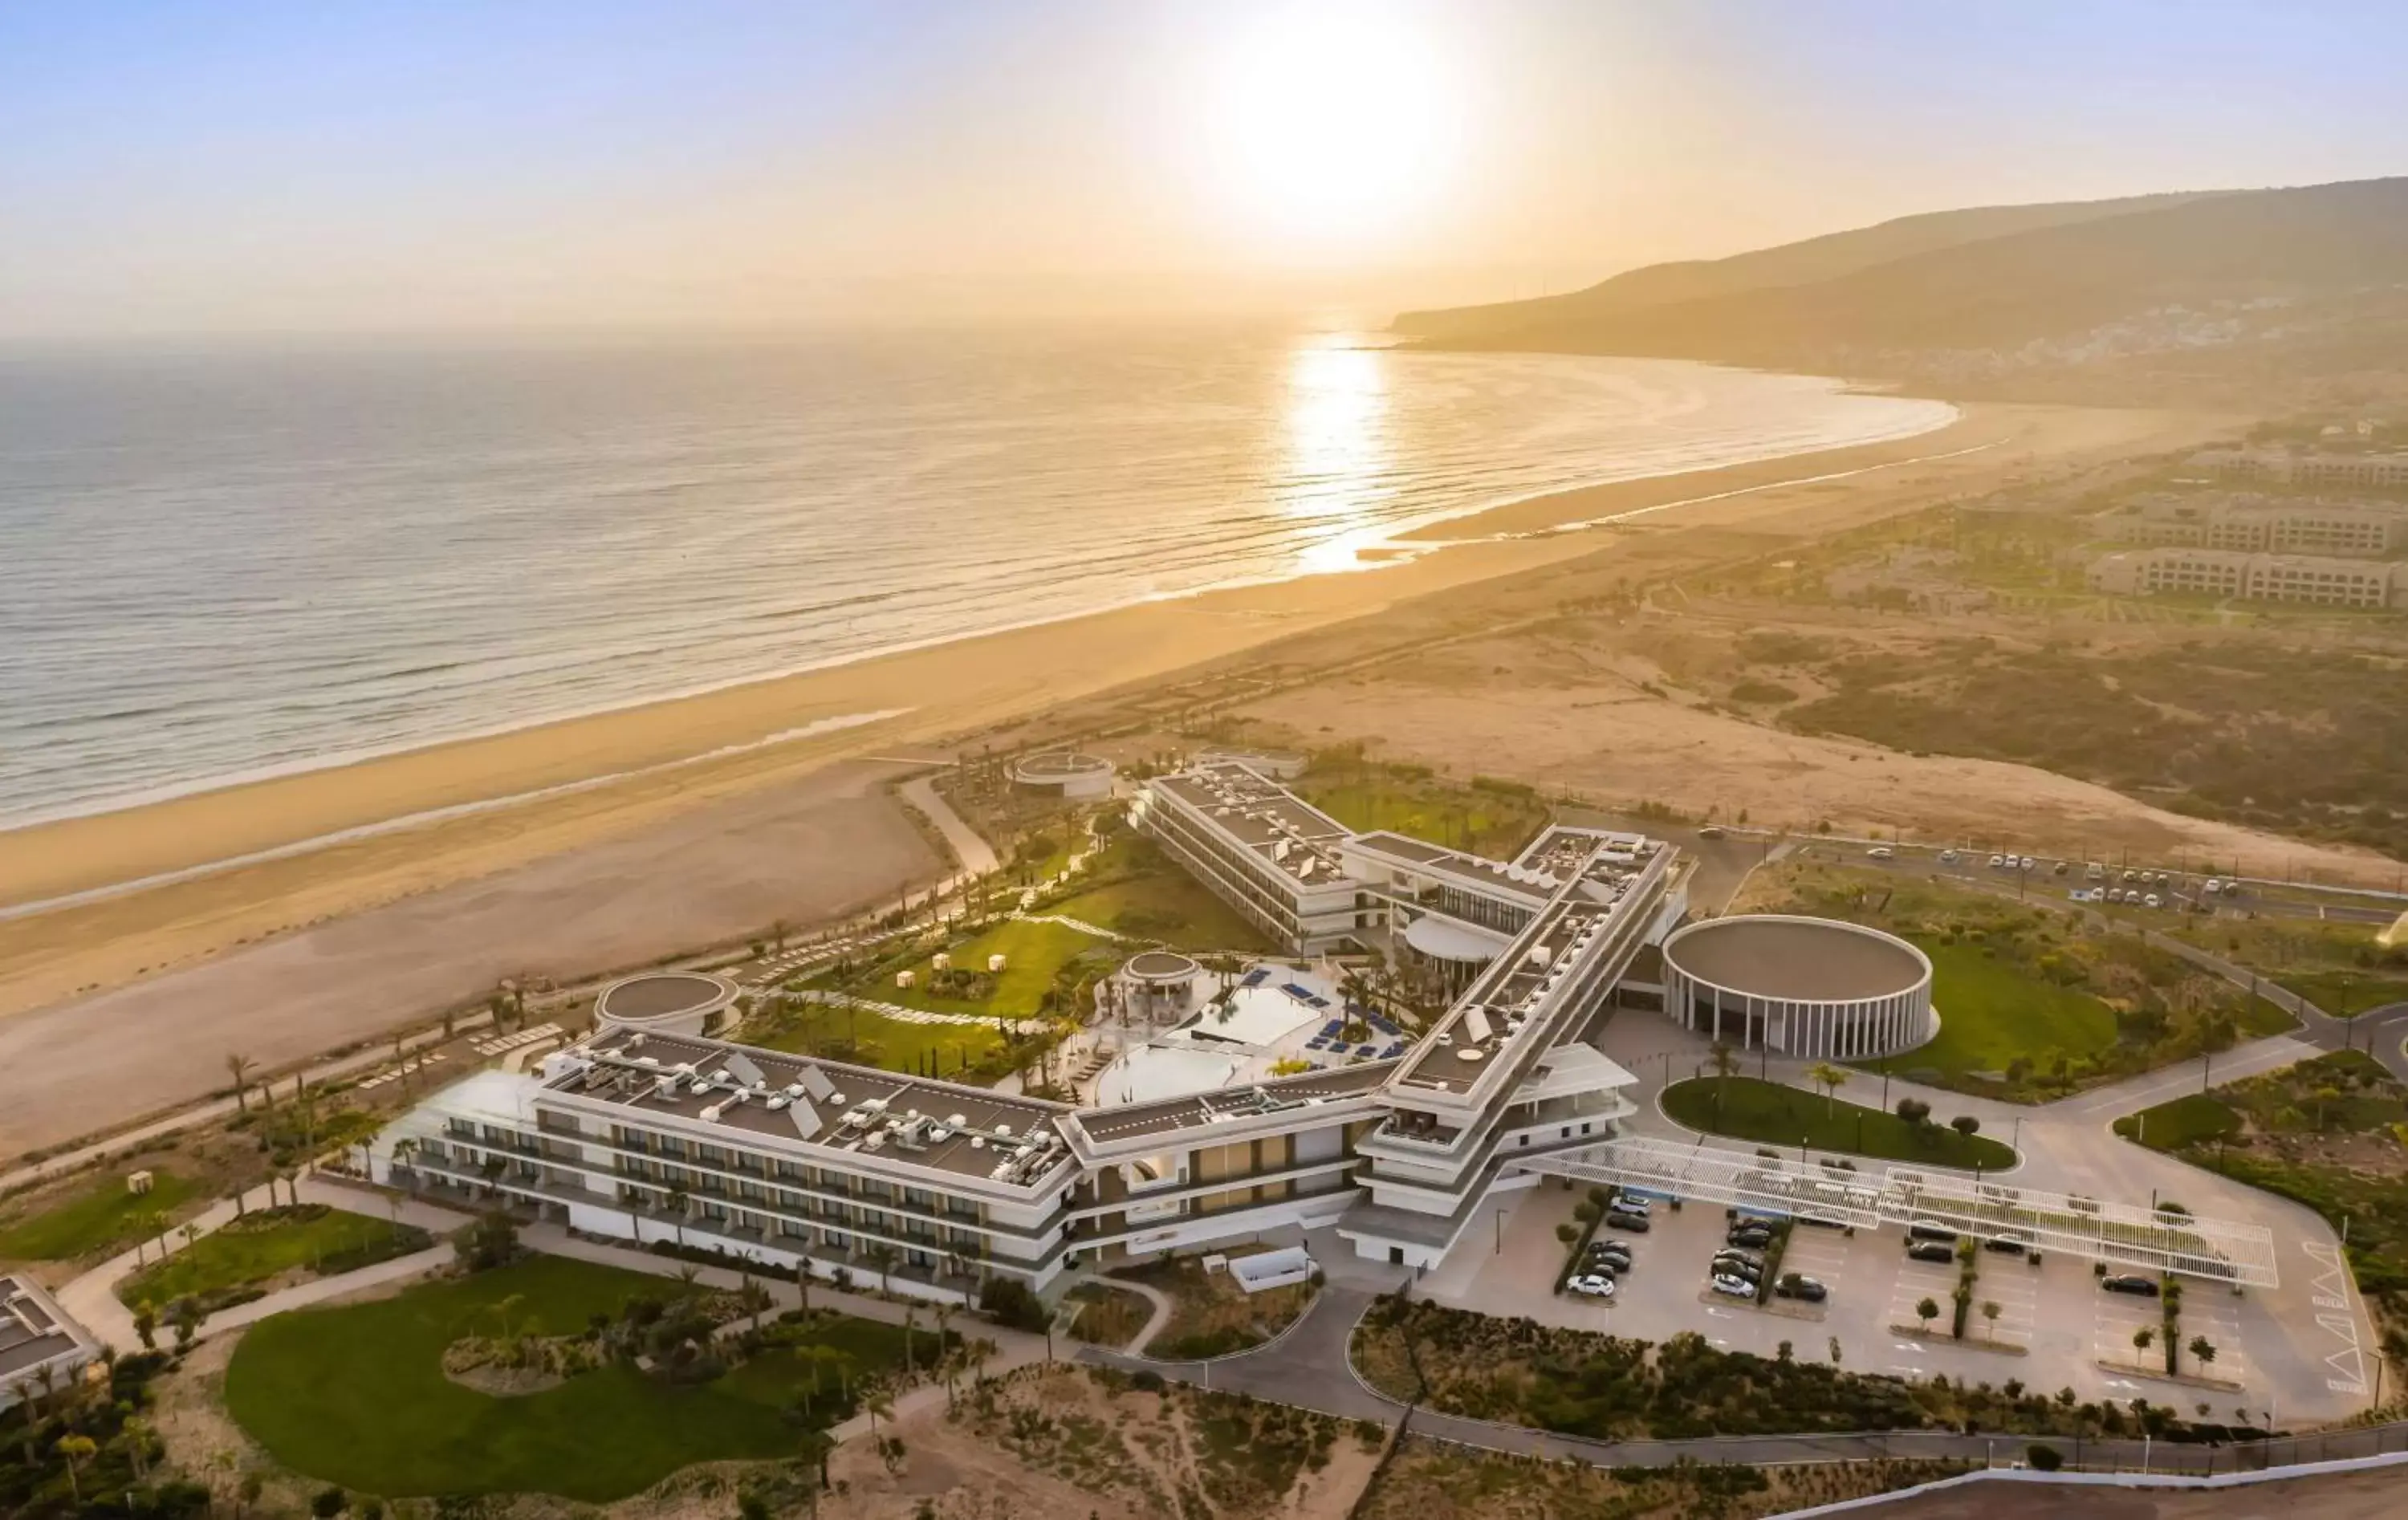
(2043, 1458)
(492, 1242)
(1009, 1302)
(329, 1502)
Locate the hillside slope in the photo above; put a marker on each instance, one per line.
(1828, 257)
(2271, 285)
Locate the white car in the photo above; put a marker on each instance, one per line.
(1996, 860)
(1881, 852)
(2215, 885)
(1948, 857)
(1736, 1288)
(2025, 864)
(2152, 900)
(1595, 1286)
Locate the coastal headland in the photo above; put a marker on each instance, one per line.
(287, 916)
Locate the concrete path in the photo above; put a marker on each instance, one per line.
(969, 847)
(1163, 1307)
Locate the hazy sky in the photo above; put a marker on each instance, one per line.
(224, 165)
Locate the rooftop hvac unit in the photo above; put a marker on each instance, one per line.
(636, 1040)
(957, 1120)
(710, 1115)
(1541, 956)
(779, 1100)
(665, 1085)
(877, 1141)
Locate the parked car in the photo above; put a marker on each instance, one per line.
(2152, 900)
(1733, 1252)
(1930, 1251)
(1593, 1285)
(1712, 831)
(1636, 1223)
(1753, 1239)
(2095, 871)
(2060, 868)
(2027, 864)
(1998, 861)
(2132, 1283)
(1611, 1253)
(1948, 857)
(2011, 1244)
(1926, 1229)
(2214, 886)
(1736, 1288)
(1881, 852)
(1799, 1286)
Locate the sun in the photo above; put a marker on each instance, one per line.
(1326, 128)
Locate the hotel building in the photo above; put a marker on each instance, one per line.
(2280, 577)
(640, 1134)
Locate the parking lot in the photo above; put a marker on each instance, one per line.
(2054, 1329)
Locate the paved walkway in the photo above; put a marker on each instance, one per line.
(1163, 1307)
(969, 847)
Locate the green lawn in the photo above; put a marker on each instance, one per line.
(102, 1216)
(1773, 1115)
(2346, 994)
(356, 1396)
(2182, 1121)
(1990, 1013)
(875, 1040)
(264, 1245)
(1032, 952)
(1495, 824)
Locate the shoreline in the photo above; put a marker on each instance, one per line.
(609, 774)
(1360, 550)
(675, 824)
(1386, 555)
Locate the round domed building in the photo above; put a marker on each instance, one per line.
(1811, 987)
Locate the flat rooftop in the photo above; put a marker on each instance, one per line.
(1532, 887)
(1483, 1024)
(662, 993)
(1262, 817)
(32, 1332)
(1806, 960)
(1169, 1116)
(941, 1126)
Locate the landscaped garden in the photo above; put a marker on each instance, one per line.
(1211, 1315)
(101, 1216)
(2343, 969)
(2034, 1001)
(1607, 1387)
(1107, 1316)
(1744, 1108)
(1486, 817)
(841, 1032)
(1035, 952)
(525, 1379)
(246, 1257)
(1133, 889)
(2330, 1133)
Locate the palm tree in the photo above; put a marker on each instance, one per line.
(404, 1155)
(1724, 1061)
(77, 1450)
(876, 1399)
(911, 1329)
(803, 1281)
(23, 1389)
(881, 1256)
(1831, 1078)
(239, 1067)
(678, 1200)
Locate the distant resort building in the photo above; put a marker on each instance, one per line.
(2259, 524)
(2280, 577)
(2308, 467)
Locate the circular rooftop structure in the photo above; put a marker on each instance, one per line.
(1813, 987)
(670, 1002)
(1161, 968)
(1072, 773)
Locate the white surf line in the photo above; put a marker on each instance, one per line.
(436, 815)
(1612, 518)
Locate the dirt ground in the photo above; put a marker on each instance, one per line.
(2349, 1495)
(1571, 712)
(808, 850)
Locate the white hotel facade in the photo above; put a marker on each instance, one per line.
(639, 1134)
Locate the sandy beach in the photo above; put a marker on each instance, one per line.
(211, 942)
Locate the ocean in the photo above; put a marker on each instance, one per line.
(223, 566)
